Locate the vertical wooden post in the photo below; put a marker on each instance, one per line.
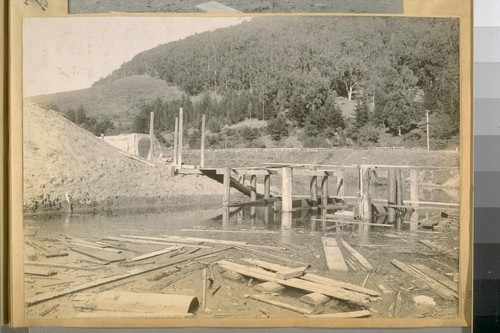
(367, 201)
(340, 183)
(360, 192)
(286, 189)
(225, 217)
(181, 134)
(253, 197)
(176, 139)
(227, 187)
(399, 190)
(253, 185)
(314, 191)
(324, 190)
(202, 160)
(151, 134)
(414, 197)
(391, 196)
(414, 191)
(267, 186)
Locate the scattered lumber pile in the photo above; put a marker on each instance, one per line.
(439, 248)
(309, 283)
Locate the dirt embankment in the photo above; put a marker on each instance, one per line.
(61, 158)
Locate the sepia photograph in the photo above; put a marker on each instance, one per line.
(236, 6)
(237, 168)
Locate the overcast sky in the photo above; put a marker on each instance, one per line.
(63, 54)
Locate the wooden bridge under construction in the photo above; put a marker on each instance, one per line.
(327, 184)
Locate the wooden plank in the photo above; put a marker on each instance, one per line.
(352, 314)
(133, 315)
(167, 238)
(439, 248)
(333, 256)
(332, 282)
(291, 273)
(97, 254)
(155, 253)
(397, 305)
(99, 282)
(42, 264)
(362, 260)
(280, 304)
(438, 288)
(263, 275)
(150, 242)
(436, 276)
(260, 202)
(39, 271)
(101, 248)
(267, 265)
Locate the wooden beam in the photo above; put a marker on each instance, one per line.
(436, 276)
(181, 135)
(260, 202)
(226, 197)
(351, 314)
(362, 260)
(313, 187)
(176, 140)
(202, 149)
(155, 253)
(391, 196)
(287, 189)
(280, 304)
(267, 186)
(333, 255)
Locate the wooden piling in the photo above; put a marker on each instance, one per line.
(202, 150)
(414, 191)
(267, 186)
(176, 139)
(414, 197)
(181, 134)
(227, 187)
(366, 195)
(324, 190)
(399, 189)
(253, 197)
(253, 186)
(314, 191)
(391, 196)
(286, 189)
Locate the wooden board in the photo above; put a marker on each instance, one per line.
(352, 314)
(155, 253)
(309, 286)
(362, 260)
(333, 256)
(99, 254)
(436, 276)
(341, 284)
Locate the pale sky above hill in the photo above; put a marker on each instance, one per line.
(63, 54)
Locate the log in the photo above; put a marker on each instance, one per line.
(436, 276)
(438, 288)
(99, 282)
(263, 275)
(340, 284)
(138, 302)
(366, 265)
(333, 256)
(280, 304)
(314, 299)
(352, 314)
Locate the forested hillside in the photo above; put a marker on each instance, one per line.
(297, 67)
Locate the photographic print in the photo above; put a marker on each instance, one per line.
(237, 6)
(234, 168)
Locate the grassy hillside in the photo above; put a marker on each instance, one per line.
(117, 101)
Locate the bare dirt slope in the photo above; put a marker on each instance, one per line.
(60, 158)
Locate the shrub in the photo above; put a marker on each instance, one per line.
(277, 127)
(368, 134)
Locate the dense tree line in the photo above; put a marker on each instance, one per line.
(91, 124)
(296, 67)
